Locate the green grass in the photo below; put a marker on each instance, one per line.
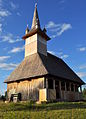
(60, 110)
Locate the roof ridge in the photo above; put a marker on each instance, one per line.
(54, 56)
(42, 60)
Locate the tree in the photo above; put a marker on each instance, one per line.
(84, 93)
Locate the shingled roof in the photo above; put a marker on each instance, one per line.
(39, 65)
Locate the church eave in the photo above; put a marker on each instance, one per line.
(23, 79)
(34, 31)
(45, 75)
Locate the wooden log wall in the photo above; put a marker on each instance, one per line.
(29, 89)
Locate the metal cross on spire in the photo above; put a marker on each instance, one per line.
(36, 22)
(36, 3)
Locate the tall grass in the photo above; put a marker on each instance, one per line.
(60, 110)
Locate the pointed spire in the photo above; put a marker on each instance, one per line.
(44, 30)
(27, 30)
(36, 22)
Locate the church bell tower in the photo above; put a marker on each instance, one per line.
(36, 38)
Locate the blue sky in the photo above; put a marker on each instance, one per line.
(65, 21)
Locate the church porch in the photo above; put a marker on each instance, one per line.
(60, 90)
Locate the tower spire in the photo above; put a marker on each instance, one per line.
(27, 30)
(36, 22)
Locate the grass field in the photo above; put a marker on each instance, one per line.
(60, 110)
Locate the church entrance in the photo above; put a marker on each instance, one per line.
(57, 89)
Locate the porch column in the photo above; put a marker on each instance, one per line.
(65, 87)
(70, 86)
(65, 94)
(74, 87)
(60, 89)
(53, 84)
(46, 83)
(81, 89)
(78, 88)
(47, 89)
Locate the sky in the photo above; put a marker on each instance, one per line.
(65, 21)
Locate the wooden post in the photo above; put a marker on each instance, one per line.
(78, 88)
(74, 87)
(60, 89)
(46, 83)
(47, 89)
(70, 86)
(65, 87)
(53, 84)
(65, 94)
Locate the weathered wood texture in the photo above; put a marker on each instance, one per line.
(51, 94)
(34, 90)
(35, 44)
(42, 95)
(71, 96)
(28, 89)
(47, 95)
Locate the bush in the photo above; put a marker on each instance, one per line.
(2, 98)
(84, 93)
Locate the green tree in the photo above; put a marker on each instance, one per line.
(84, 93)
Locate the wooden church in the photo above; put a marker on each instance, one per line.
(42, 76)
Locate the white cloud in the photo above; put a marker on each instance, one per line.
(81, 74)
(54, 36)
(4, 13)
(82, 49)
(2, 58)
(64, 56)
(64, 27)
(52, 52)
(82, 66)
(17, 49)
(51, 24)
(0, 27)
(5, 66)
(10, 38)
(58, 29)
(18, 13)
(62, 1)
(0, 2)
(59, 54)
(13, 5)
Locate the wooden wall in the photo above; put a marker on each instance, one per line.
(71, 96)
(28, 89)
